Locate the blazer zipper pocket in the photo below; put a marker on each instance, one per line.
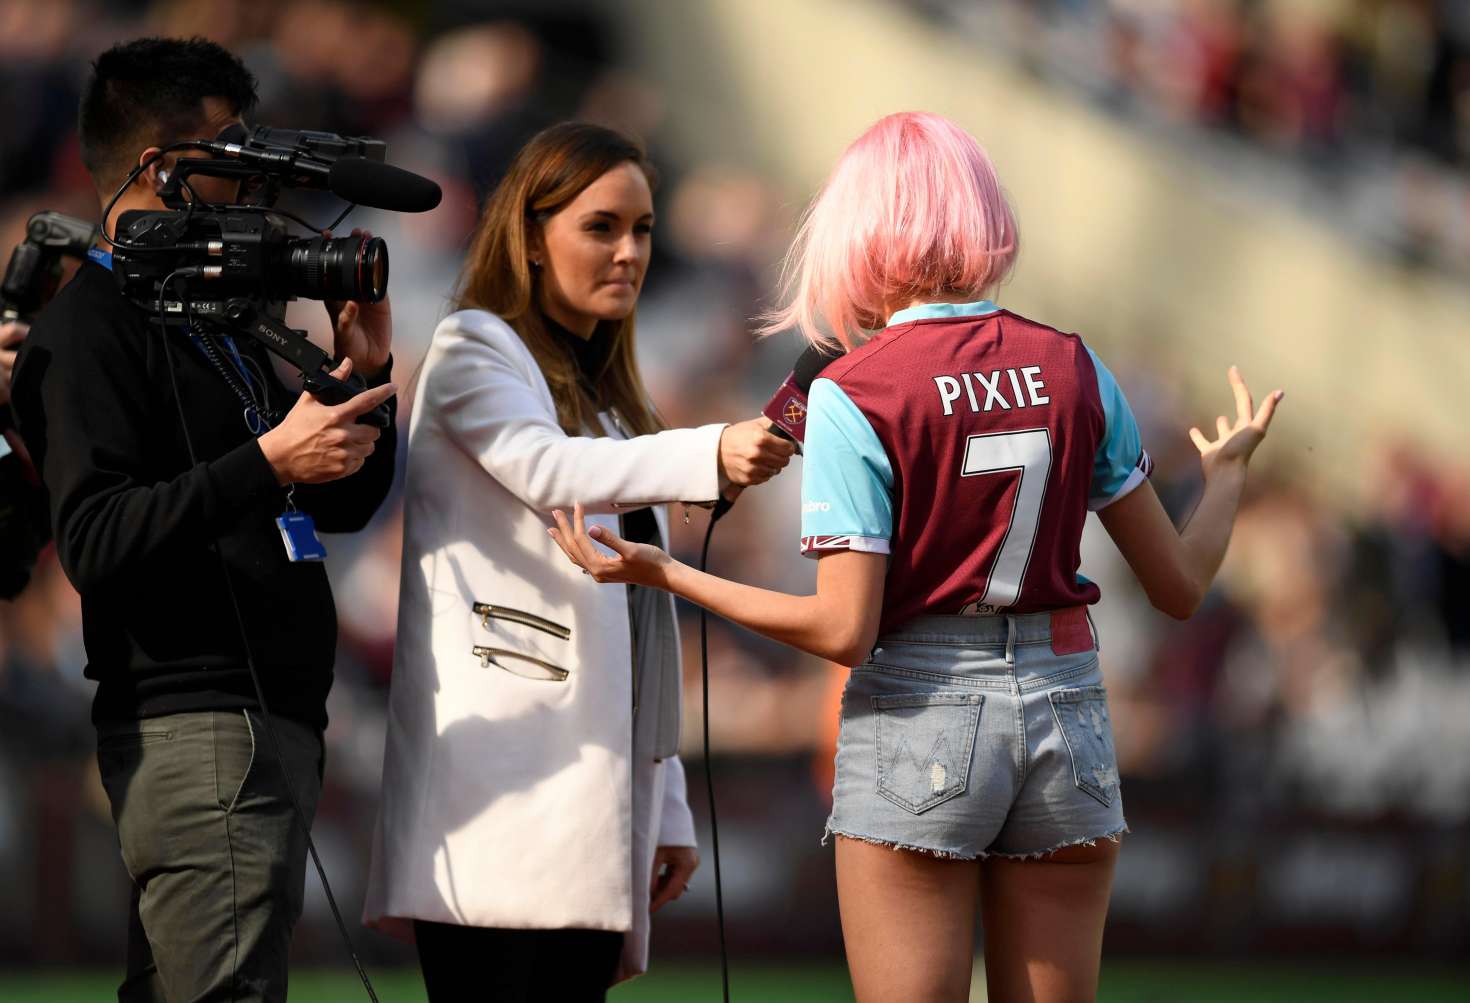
(544, 671)
(487, 611)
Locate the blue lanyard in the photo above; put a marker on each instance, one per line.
(234, 357)
(254, 420)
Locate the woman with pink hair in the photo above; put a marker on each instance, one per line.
(952, 455)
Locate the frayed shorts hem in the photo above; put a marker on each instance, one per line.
(1115, 836)
(892, 845)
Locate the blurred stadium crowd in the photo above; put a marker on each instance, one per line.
(1296, 757)
(1366, 101)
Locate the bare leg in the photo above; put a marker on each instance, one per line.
(1044, 924)
(908, 921)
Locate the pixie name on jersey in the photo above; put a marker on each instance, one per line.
(949, 389)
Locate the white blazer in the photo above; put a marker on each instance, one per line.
(513, 802)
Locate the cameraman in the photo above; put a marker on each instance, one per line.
(197, 789)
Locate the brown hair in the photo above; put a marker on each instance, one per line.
(547, 174)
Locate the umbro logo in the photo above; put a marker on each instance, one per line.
(979, 609)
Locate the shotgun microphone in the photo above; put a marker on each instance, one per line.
(354, 179)
(381, 186)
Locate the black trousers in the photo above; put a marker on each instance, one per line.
(472, 964)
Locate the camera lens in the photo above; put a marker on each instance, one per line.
(338, 268)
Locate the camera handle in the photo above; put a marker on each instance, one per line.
(176, 185)
(293, 346)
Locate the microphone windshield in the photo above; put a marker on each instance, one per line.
(381, 186)
(810, 365)
(787, 409)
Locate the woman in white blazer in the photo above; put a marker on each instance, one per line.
(533, 809)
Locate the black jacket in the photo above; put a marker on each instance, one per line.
(136, 523)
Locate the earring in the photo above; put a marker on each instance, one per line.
(535, 262)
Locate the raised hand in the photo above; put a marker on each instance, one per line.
(632, 563)
(317, 442)
(750, 454)
(1234, 443)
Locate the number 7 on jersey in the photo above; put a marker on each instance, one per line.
(1027, 452)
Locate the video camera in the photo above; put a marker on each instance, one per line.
(31, 278)
(231, 268)
(34, 269)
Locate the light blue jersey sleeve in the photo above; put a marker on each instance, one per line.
(846, 479)
(1121, 463)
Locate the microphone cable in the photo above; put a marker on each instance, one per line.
(722, 506)
(250, 664)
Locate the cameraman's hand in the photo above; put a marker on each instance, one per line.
(317, 442)
(362, 332)
(11, 335)
(750, 454)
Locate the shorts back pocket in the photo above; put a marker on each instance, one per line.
(1082, 716)
(924, 744)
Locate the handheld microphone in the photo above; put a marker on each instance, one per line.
(786, 412)
(787, 409)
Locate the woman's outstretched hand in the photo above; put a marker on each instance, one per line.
(632, 563)
(1236, 442)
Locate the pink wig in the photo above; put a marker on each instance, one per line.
(912, 211)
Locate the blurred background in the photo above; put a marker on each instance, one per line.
(1280, 185)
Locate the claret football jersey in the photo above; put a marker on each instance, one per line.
(967, 443)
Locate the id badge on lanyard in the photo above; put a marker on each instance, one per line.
(298, 533)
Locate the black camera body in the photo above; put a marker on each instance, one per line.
(241, 252)
(230, 270)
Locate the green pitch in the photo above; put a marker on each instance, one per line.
(1122, 982)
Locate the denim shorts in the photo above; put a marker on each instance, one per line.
(968, 736)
